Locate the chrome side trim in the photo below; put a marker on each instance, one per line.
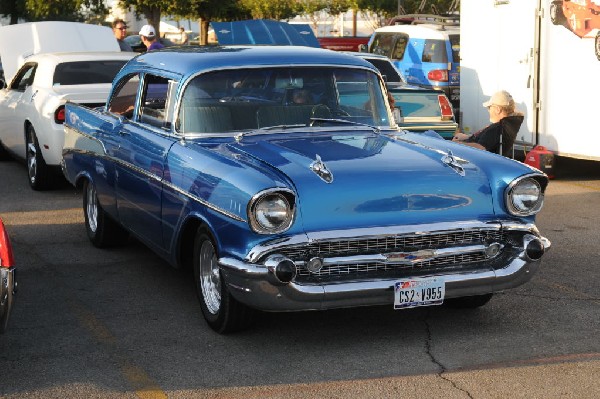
(158, 179)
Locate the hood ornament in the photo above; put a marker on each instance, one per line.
(454, 163)
(320, 169)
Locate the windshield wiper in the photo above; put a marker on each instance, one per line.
(240, 136)
(344, 122)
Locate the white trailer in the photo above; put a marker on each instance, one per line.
(539, 55)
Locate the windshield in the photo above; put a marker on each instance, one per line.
(231, 101)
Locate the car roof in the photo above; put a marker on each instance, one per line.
(190, 60)
(425, 31)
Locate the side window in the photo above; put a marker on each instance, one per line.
(400, 47)
(24, 77)
(155, 100)
(123, 101)
(435, 51)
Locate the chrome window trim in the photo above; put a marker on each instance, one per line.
(184, 84)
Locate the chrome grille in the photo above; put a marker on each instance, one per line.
(355, 246)
(387, 244)
(358, 268)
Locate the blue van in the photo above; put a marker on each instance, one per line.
(427, 54)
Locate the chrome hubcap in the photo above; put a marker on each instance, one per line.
(91, 208)
(31, 159)
(210, 279)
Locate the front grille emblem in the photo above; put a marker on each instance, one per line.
(410, 257)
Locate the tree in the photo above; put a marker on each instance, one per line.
(389, 8)
(215, 10)
(272, 9)
(153, 9)
(65, 10)
(14, 9)
(57, 10)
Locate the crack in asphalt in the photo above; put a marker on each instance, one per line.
(434, 360)
(590, 299)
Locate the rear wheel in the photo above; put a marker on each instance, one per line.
(39, 175)
(222, 311)
(468, 302)
(101, 229)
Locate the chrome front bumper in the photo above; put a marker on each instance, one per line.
(8, 288)
(256, 286)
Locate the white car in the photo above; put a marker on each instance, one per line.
(43, 73)
(32, 106)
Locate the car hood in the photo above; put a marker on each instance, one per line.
(375, 181)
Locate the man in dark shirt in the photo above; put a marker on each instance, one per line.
(120, 31)
(500, 135)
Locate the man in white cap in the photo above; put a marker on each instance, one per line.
(500, 135)
(148, 36)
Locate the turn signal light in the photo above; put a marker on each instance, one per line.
(445, 107)
(6, 253)
(438, 75)
(59, 115)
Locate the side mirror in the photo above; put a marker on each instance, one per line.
(363, 48)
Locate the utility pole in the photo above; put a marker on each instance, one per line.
(400, 7)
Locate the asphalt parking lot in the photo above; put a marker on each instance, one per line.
(122, 323)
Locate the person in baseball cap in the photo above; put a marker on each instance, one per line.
(501, 98)
(148, 36)
(499, 136)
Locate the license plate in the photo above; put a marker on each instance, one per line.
(419, 292)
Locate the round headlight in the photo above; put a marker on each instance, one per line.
(525, 197)
(271, 213)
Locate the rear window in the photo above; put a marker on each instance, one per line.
(418, 104)
(86, 72)
(435, 51)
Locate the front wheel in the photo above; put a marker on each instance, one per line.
(101, 229)
(468, 302)
(222, 312)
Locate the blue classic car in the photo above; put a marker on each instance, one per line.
(279, 175)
